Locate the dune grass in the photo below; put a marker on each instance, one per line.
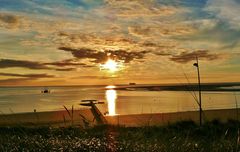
(182, 137)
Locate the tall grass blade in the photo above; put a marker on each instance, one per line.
(72, 114)
(64, 120)
(85, 121)
(69, 114)
(236, 103)
(238, 140)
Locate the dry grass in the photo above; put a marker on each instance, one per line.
(183, 136)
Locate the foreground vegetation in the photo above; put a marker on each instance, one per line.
(183, 136)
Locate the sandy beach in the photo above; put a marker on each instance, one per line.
(158, 119)
(51, 118)
(83, 117)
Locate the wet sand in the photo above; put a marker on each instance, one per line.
(62, 118)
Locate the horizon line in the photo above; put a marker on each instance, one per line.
(153, 84)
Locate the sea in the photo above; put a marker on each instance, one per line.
(113, 101)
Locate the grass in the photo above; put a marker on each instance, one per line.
(181, 137)
(70, 114)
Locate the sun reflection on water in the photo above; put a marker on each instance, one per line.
(111, 96)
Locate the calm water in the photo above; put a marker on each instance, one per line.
(26, 99)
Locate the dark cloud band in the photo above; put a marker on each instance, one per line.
(102, 56)
(186, 57)
(27, 75)
(11, 63)
(8, 63)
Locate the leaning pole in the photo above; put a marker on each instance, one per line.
(199, 91)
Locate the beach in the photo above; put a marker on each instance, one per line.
(50, 118)
(82, 117)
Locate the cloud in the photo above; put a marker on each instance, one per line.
(35, 76)
(160, 30)
(8, 20)
(94, 77)
(21, 78)
(140, 31)
(186, 57)
(102, 56)
(15, 81)
(9, 63)
(64, 63)
(202, 24)
(66, 69)
(226, 10)
(94, 41)
(162, 53)
(139, 8)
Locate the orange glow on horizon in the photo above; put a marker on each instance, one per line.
(110, 87)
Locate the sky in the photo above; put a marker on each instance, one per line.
(68, 42)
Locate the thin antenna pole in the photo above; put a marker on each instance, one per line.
(236, 102)
(199, 91)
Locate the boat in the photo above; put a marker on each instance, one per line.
(45, 91)
(132, 83)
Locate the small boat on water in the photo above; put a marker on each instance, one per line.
(132, 83)
(45, 91)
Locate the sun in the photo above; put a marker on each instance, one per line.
(110, 65)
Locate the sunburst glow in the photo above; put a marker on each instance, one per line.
(110, 65)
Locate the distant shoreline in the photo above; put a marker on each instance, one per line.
(137, 85)
(184, 87)
(226, 86)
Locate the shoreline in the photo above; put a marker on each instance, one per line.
(160, 119)
(210, 86)
(60, 118)
(84, 118)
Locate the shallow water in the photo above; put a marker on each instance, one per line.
(26, 99)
